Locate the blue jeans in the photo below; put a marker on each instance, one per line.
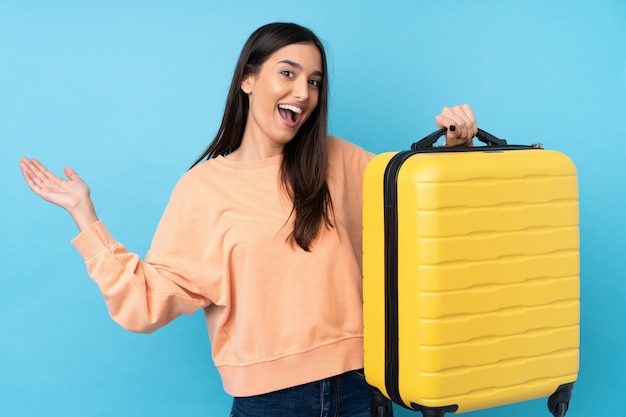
(346, 395)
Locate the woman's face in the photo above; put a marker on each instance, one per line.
(283, 94)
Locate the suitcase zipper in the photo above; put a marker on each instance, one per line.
(390, 198)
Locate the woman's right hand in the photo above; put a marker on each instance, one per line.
(71, 194)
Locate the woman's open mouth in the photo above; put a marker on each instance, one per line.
(289, 114)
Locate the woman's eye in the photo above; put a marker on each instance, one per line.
(314, 83)
(287, 73)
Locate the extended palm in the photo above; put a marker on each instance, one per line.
(66, 193)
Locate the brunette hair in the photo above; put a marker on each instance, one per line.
(305, 157)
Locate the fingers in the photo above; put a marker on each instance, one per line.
(37, 176)
(71, 194)
(30, 173)
(34, 168)
(47, 185)
(71, 174)
(460, 122)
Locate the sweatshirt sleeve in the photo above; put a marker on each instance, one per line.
(140, 296)
(143, 296)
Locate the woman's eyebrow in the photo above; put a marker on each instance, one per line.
(298, 66)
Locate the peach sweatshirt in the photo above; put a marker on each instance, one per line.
(277, 316)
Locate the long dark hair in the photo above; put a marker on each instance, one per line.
(305, 157)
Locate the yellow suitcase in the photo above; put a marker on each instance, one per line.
(471, 276)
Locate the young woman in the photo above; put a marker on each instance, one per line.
(263, 233)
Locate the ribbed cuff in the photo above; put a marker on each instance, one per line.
(93, 241)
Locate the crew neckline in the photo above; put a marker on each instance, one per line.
(261, 163)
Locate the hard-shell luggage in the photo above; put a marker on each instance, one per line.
(471, 276)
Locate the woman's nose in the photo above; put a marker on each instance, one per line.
(301, 89)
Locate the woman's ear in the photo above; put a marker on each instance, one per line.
(246, 84)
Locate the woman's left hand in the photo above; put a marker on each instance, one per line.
(461, 125)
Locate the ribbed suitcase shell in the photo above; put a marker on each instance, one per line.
(488, 277)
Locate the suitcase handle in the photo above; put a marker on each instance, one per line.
(481, 135)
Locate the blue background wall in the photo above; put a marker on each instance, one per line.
(129, 93)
